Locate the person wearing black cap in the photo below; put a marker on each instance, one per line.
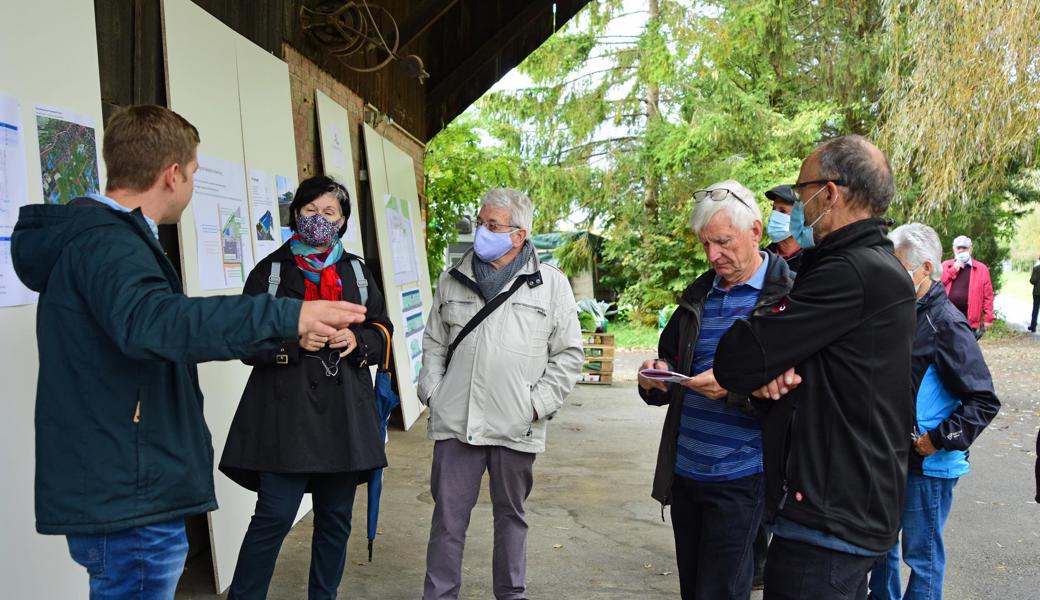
(780, 228)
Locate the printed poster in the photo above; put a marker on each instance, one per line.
(14, 193)
(285, 187)
(402, 241)
(262, 209)
(222, 229)
(68, 154)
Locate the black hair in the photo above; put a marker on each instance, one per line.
(314, 187)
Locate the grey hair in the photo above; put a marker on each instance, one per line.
(742, 211)
(521, 212)
(863, 168)
(919, 244)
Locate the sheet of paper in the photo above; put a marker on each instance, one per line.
(413, 333)
(68, 154)
(662, 375)
(263, 210)
(285, 188)
(14, 193)
(402, 241)
(12, 291)
(225, 252)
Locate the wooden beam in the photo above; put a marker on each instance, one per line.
(507, 32)
(422, 18)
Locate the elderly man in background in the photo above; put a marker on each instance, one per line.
(709, 466)
(955, 402)
(501, 352)
(835, 447)
(969, 286)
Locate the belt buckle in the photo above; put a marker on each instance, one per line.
(281, 359)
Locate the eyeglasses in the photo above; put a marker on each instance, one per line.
(717, 195)
(801, 185)
(494, 227)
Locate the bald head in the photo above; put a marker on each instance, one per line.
(861, 166)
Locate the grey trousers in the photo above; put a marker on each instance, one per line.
(458, 469)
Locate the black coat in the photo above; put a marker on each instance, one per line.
(293, 418)
(836, 448)
(676, 347)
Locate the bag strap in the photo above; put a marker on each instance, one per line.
(483, 314)
(273, 280)
(386, 333)
(362, 283)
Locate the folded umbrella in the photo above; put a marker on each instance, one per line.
(386, 401)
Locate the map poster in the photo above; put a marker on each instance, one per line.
(222, 230)
(285, 187)
(262, 208)
(402, 241)
(68, 154)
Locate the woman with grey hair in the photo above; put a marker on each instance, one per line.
(955, 402)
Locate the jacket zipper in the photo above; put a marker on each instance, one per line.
(137, 412)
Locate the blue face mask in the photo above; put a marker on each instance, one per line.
(799, 231)
(491, 246)
(779, 226)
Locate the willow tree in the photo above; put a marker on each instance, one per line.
(962, 96)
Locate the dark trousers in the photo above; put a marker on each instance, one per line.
(714, 524)
(1036, 307)
(277, 503)
(798, 571)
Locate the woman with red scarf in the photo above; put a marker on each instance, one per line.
(307, 421)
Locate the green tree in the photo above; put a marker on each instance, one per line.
(460, 167)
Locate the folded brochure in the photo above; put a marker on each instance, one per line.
(663, 375)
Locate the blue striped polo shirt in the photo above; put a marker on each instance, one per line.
(718, 442)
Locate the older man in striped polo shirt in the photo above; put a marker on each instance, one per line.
(709, 467)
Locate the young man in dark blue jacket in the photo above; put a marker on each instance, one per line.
(122, 451)
(955, 402)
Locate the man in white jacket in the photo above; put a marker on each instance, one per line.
(492, 389)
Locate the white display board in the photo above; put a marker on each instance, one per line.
(337, 156)
(401, 236)
(48, 59)
(238, 97)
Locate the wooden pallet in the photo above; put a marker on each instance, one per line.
(598, 368)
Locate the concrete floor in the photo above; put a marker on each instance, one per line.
(596, 533)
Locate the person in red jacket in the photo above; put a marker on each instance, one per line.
(968, 285)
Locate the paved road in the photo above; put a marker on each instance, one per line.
(596, 534)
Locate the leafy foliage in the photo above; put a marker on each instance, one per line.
(635, 105)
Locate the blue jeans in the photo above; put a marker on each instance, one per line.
(928, 503)
(143, 563)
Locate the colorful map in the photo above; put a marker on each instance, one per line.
(68, 159)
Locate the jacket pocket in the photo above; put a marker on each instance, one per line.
(526, 328)
(456, 313)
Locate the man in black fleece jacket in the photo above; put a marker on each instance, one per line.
(835, 447)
